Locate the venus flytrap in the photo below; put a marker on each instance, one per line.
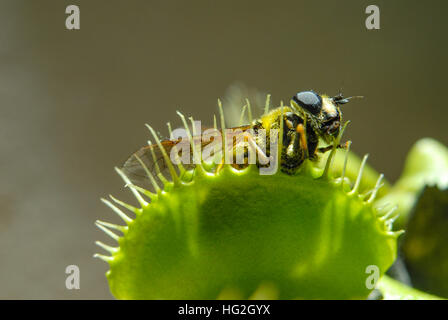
(202, 233)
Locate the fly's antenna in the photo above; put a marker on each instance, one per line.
(339, 98)
(355, 97)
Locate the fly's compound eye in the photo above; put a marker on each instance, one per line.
(309, 100)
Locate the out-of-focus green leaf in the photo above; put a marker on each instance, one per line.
(394, 290)
(426, 165)
(425, 243)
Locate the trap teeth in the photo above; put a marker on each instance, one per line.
(378, 185)
(101, 225)
(106, 247)
(120, 213)
(359, 177)
(136, 194)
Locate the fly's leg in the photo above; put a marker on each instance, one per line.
(328, 148)
(262, 157)
(252, 146)
(300, 129)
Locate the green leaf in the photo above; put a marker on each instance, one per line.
(394, 290)
(426, 165)
(304, 235)
(424, 246)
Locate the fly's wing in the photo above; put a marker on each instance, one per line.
(234, 100)
(152, 158)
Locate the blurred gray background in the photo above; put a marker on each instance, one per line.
(73, 103)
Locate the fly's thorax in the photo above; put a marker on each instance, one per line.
(272, 119)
